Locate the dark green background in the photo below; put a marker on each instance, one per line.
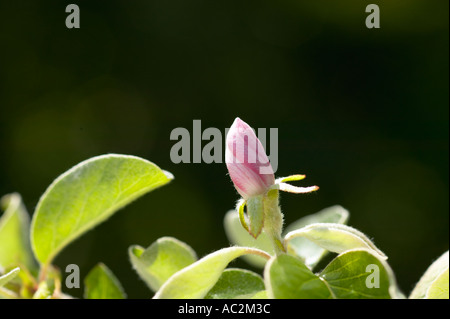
(363, 113)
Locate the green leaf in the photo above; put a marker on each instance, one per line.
(86, 195)
(239, 236)
(15, 246)
(260, 295)
(360, 274)
(308, 251)
(9, 276)
(430, 275)
(336, 238)
(236, 284)
(194, 281)
(287, 277)
(5, 279)
(439, 287)
(100, 283)
(161, 260)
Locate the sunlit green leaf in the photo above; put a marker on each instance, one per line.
(86, 195)
(335, 238)
(308, 251)
(360, 274)
(15, 249)
(260, 295)
(7, 294)
(290, 178)
(286, 277)
(100, 283)
(194, 281)
(439, 287)
(430, 275)
(239, 236)
(161, 260)
(4, 279)
(236, 284)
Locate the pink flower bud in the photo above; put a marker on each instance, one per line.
(247, 162)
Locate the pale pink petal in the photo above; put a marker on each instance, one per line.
(245, 157)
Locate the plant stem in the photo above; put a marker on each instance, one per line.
(273, 221)
(43, 273)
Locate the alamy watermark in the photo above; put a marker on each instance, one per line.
(212, 152)
(73, 277)
(373, 19)
(73, 19)
(373, 279)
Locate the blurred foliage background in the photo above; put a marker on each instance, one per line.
(362, 112)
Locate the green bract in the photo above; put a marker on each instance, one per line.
(255, 212)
